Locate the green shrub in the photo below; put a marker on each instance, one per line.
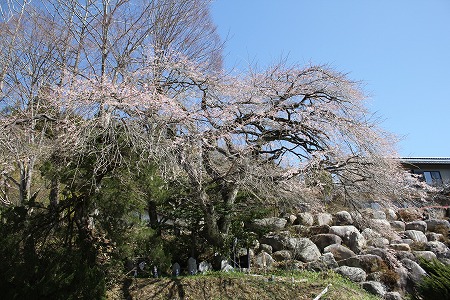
(436, 285)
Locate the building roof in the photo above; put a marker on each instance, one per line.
(425, 160)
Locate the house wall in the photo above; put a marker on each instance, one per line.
(443, 169)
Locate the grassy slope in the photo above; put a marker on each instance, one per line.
(303, 285)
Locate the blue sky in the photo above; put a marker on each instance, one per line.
(399, 49)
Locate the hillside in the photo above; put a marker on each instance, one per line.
(218, 285)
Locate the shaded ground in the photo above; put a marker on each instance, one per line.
(240, 286)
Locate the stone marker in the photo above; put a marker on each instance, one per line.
(192, 266)
(176, 269)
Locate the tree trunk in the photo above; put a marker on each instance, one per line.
(212, 231)
(26, 172)
(54, 192)
(229, 194)
(152, 214)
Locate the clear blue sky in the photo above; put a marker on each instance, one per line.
(400, 49)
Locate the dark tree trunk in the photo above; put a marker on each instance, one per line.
(152, 214)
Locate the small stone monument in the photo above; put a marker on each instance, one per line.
(192, 266)
(204, 267)
(155, 272)
(176, 269)
(141, 265)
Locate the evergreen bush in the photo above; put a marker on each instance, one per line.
(436, 285)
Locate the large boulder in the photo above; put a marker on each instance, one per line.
(303, 249)
(379, 242)
(325, 239)
(400, 247)
(374, 287)
(428, 255)
(369, 233)
(381, 226)
(324, 219)
(271, 224)
(392, 296)
(378, 214)
(304, 218)
(264, 260)
(398, 225)
(415, 273)
(438, 225)
(435, 237)
(318, 229)
(368, 262)
(390, 214)
(352, 273)
(416, 225)
(342, 230)
(282, 255)
(416, 236)
(266, 248)
(339, 252)
(325, 262)
(355, 241)
(278, 241)
(437, 247)
(342, 218)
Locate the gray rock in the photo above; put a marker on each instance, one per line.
(278, 241)
(406, 241)
(392, 296)
(291, 219)
(437, 225)
(273, 224)
(416, 225)
(390, 214)
(339, 252)
(266, 248)
(415, 272)
(398, 225)
(325, 239)
(342, 218)
(301, 230)
(368, 262)
(379, 242)
(303, 249)
(304, 218)
(325, 262)
(324, 219)
(434, 237)
(264, 260)
(342, 230)
(369, 233)
(378, 214)
(282, 255)
(416, 235)
(386, 255)
(381, 226)
(355, 241)
(400, 255)
(318, 229)
(374, 287)
(352, 273)
(437, 247)
(428, 255)
(400, 247)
